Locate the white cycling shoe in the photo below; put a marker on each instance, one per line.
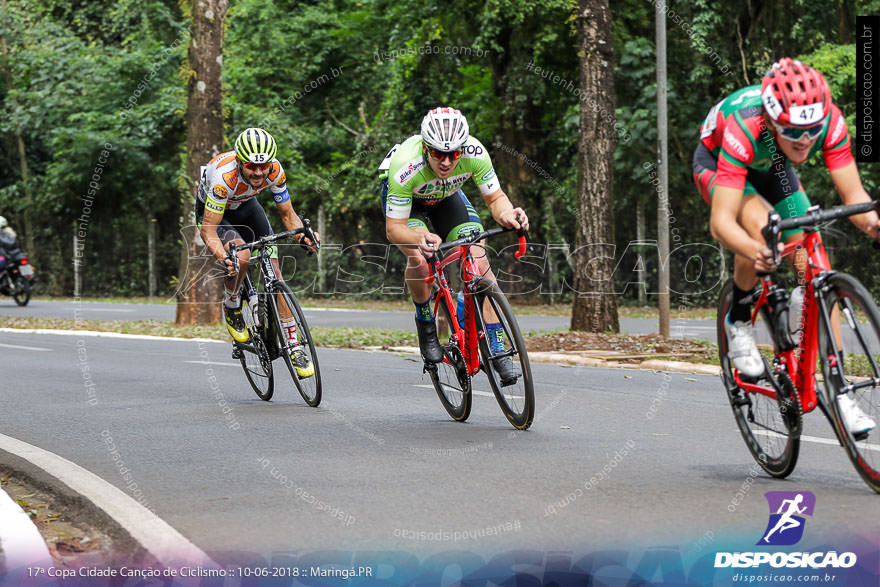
(742, 349)
(856, 420)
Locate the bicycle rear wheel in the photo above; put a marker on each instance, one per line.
(255, 357)
(516, 398)
(309, 387)
(450, 378)
(851, 369)
(769, 426)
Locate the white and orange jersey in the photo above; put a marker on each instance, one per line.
(222, 186)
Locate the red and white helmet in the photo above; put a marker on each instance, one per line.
(445, 129)
(795, 94)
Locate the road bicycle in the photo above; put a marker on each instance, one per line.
(268, 339)
(468, 348)
(838, 334)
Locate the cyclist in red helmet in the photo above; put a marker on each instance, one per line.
(744, 167)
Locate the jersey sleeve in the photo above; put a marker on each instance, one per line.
(735, 155)
(836, 148)
(483, 171)
(399, 199)
(278, 183)
(217, 192)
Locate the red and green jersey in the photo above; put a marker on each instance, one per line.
(736, 134)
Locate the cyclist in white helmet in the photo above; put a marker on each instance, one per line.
(421, 183)
(228, 214)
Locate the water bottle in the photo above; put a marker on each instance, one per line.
(795, 312)
(460, 310)
(253, 302)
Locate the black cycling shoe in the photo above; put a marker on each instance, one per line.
(507, 371)
(432, 352)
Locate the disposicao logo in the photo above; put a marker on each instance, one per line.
(786, 524)
(785, 528)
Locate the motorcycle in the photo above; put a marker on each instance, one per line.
(16, 275)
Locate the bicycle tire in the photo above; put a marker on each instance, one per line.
(450, 378)
(254, 357)
(516, 400)
(770, 427)
(21, 290)
(310, 387)
(860, 336)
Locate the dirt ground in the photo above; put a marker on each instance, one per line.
(74, 540)
(625, 347)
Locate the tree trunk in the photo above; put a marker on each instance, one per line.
(595, 307)
(22, 154)
(201, 286)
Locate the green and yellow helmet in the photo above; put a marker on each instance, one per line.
(254, 145)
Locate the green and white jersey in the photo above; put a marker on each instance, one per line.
(410, 178)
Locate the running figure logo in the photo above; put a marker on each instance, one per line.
(786, 524)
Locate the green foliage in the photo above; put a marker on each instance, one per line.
(339, 82)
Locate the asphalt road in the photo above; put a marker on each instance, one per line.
(614, 457)
(329, 317)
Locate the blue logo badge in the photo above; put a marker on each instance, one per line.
(786, 524)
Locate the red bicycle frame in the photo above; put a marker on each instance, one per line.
(800, 362)
(469, 336)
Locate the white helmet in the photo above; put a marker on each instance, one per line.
(445, 129)
(3, 222)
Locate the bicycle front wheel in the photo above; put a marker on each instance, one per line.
(515, 393)
(769, 425)
(450, 378)
(254, 356)
(306, 379)
(851, 369)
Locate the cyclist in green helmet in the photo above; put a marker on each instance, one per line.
(228, 215)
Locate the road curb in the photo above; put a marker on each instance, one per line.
(124, 518)
(574, 360)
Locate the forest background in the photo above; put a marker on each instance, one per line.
(94, 95)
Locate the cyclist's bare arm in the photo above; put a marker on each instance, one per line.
(210, 221)
(292, 221)
(726, 229)
(399, 233)
(849, 185)
(504, 212)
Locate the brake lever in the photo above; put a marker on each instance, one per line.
(230, 254)
(771, 234)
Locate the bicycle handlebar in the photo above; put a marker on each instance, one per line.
(478, 236)
(265, 241)
(813, 217)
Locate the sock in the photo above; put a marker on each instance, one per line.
(740, 312)
(496, 337)
(231, 300)
(423, 311)
(289, 327)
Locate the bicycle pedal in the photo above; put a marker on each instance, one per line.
(236, 352)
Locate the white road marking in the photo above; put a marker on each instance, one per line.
(473, 391)
(25, 348)
(214, 363)
(819, 440)
(105, 334)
